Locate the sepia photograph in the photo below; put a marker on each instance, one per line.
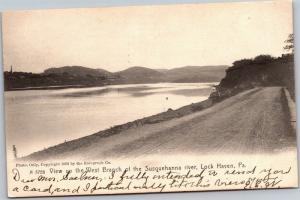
(143, 99)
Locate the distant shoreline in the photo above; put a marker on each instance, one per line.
(59, 87)
(48, 87)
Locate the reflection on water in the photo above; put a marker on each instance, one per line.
(36, 119)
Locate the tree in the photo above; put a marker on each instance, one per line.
(263, 59)
(289, 44)
(243, 62)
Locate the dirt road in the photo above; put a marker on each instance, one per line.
(254, 121)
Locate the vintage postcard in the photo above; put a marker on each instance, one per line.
(148, 99)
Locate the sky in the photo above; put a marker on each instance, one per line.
(164, 36)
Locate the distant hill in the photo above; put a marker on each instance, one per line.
(78, 71)
(78, 76)
(196, 74)
(140, 75)
(161, 70)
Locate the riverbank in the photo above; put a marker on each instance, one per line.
(236, 124)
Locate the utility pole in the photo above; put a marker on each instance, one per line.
(15, 151)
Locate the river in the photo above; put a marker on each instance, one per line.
(38, 119)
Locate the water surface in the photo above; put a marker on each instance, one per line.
(37, 119)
